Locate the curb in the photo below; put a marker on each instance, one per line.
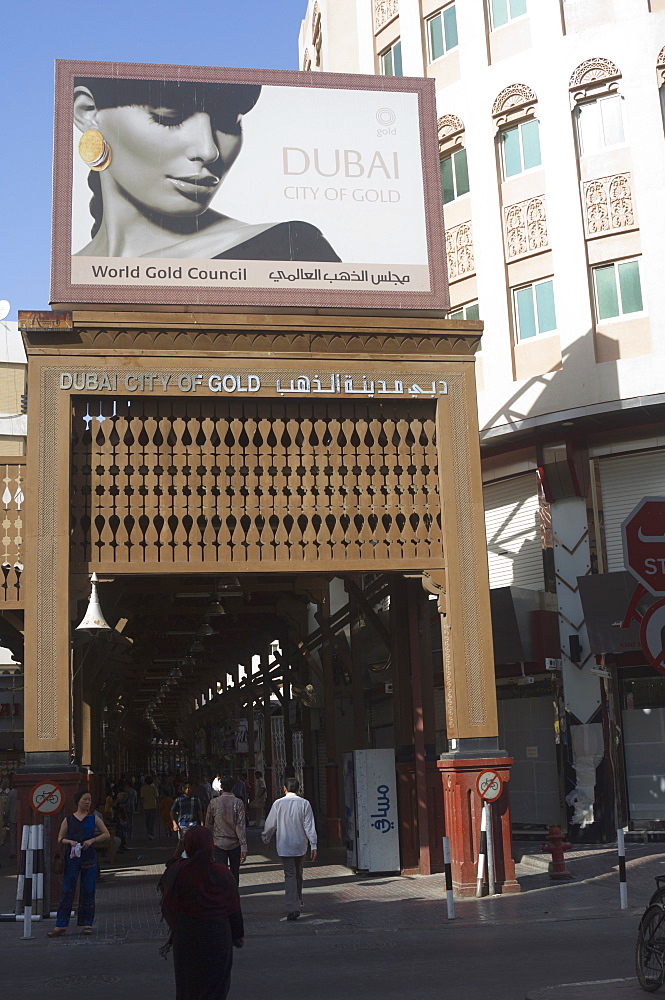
(599, 989)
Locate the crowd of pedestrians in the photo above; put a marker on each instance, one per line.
(206, 821)
(8, 814)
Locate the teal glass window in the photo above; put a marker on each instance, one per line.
(504, 11)
(442, 32)
(521, 148)
(470, 311)
(618, 289)
(534, 309)
(600, 124)
(454, 176)
(391, 60)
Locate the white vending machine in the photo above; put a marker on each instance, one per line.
(370, 797)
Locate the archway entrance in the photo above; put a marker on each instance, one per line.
(286, 455)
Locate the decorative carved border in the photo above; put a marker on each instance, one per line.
(192, 340)
(592, 71)
(468, 556)
(525, 225)
(450, 128)
(660, 65)
(384, 12)
(47, 558)
(517, 95)
(459, 248)
(608, 204)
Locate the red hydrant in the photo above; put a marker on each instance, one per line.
(556, 845)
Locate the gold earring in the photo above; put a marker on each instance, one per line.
(94, 149)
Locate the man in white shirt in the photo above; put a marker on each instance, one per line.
(292, 819)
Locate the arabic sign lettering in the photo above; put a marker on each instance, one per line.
(245, 187)
(643, 534)
(382, 810)
(335, 384)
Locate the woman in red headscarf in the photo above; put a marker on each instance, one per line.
(201, 905)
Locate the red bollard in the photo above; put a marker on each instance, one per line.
(556, 845)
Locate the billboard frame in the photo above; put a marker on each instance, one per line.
(65, 294)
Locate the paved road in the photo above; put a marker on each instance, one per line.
(370, 938)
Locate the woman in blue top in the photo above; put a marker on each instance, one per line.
(78, 834)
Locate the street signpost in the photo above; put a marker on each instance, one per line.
(46, 798)
(643, 534)
(490, 785)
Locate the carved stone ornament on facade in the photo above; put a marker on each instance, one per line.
(307, 61)
(593, 71)
(384, 11)
(526, 227)
(608, 204)
(317, 38)
(459, 250)
(660, 65)
(449, 127)
(517, 95)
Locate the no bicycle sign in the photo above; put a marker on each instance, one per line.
(46, 798)
(489, 785)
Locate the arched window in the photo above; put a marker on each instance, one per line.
(514, 113)
(597, 106)
(454, 167)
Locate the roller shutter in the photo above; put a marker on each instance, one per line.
(624, 480)
(512, 523)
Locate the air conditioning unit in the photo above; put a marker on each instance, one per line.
(551, 664)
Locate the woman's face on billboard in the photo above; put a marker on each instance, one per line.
(164, 161)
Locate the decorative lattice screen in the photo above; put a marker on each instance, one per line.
(263, 483)
(11, 537)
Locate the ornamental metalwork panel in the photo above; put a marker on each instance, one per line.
(263, 483)
(12, 535)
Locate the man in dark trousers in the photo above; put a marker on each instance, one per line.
(292, 819)
(225, 819)
(186, 811)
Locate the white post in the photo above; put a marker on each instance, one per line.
(448, 869)
(623, 885)
(490, 851)
(27, 885)
(25, 839)
(482, 852)
(38, 874)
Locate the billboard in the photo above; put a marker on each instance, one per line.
(200, 187)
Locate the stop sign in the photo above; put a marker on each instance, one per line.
(644, 544)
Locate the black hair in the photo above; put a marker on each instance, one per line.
(149, 780)
(224, 102)
(292, 784)
(228, 784)
(257, 774)
(81, 792)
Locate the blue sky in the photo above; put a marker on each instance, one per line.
(33, 33)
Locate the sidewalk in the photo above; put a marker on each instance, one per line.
(347, 924)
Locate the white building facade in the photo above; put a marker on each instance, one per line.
(553, 171)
